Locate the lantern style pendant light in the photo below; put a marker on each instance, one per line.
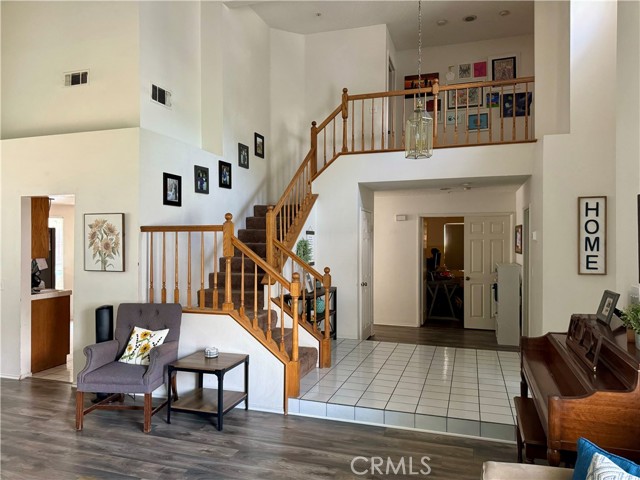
(419, 131)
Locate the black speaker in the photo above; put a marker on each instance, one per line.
(104, 323)
(104, 333)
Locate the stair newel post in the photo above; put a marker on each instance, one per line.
(345, 117)
(271, 233)
(325, 350)
(435, 90)
(295, 298)
(293, 367)
(314, 149)
(227, 251)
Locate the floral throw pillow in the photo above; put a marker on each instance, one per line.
(140, 344)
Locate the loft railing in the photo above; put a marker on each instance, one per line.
(176, 257)
(477, 113)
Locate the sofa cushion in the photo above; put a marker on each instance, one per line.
(587, 449)
(140, 344)
(523, 471)
(602, 468)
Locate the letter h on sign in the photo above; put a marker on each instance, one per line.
(592, 235)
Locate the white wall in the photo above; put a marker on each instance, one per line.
(43, 40)
(578, 164)
(246, 104)
(67, 213)
(337, 234)
(440, 58)
(96, 189)
(266, 373)
(355, 59)
(212, 96)
(289, 133)
(627, 180)
(398, 245)
(170, 58)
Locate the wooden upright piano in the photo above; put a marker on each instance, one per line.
(584, 383)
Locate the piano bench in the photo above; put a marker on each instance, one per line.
(529, 432)
(511, 471)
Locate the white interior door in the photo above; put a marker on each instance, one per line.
(486, 243)
(366, 274)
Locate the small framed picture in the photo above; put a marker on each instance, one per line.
(243, 156)
(518, 239)
(607, 306)
(103, 242)
(310, 283)
(478, 122)
(258, 145)
(493, 99)
(520, 107)
(171, 190)
(224, 174)
(503, 68)
(201, 179)
(464, 71)
(464, 97)
(480, 69)
(454, 118)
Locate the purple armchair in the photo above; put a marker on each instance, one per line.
(103, 372)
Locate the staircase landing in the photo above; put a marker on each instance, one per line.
(422, 387)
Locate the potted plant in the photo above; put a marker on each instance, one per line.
(303, 250)
(631, 318)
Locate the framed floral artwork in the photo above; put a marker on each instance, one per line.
(104, 242)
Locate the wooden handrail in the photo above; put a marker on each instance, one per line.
(261, 263)
(181, 228)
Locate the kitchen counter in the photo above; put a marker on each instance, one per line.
(49, 293)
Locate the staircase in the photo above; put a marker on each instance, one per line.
(255, 237)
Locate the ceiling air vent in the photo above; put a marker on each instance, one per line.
(160, 95)
(71, 79)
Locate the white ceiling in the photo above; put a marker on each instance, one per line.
(498, 184)
(401, 17)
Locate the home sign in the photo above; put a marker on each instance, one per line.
(592, 235)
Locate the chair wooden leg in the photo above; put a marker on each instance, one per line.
(148, 409)
(79, 409)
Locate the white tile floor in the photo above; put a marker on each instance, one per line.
(456, 390)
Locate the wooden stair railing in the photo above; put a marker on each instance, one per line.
(290, 260)
(192, 248)
(465, 114)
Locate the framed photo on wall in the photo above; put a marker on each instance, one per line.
(243, 156)
(224, 174)
(478, 122)
(518, 239)
(103, 242)
(201, 179)
(258, 145)
(503, 68)
(171, 190)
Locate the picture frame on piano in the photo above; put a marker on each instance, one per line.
(607, 307)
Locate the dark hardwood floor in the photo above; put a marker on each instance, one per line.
(39, 441)
(444, 336)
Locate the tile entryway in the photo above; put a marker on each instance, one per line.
(443, 389)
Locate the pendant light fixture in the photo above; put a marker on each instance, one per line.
(419, 131)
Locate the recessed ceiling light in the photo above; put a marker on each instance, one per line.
(504, 13)
(470, 18)
(445, 189)
(318, 14)
(442, 22)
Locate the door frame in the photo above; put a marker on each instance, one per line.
(526, 226)
(361, 212)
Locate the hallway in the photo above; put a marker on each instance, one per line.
(444, 389)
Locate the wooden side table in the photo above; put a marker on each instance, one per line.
(209, 400)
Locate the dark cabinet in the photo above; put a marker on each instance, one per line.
(39, 227)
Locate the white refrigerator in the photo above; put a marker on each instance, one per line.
(508, 303)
